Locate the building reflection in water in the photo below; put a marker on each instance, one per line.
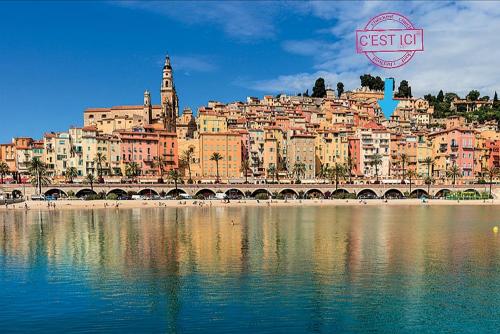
(323, 257)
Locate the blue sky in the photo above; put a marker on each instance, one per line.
(58, 58)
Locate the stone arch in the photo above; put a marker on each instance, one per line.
(234, 193)
(261, 191)
(148, 192)
(394, 193)
(418, 193)
(85, 192)
(117, 192)
(289, 193)
(55, 192)
(367, 193)
(206, 193)
(172, 192)
(314, 193)
(16, 193)
(339, 193)
(442, 193)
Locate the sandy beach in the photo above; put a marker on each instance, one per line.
(109, 204)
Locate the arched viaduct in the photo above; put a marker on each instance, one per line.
(236, 190)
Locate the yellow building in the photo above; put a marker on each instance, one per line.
(211, 122)
(424, 150)
(270, 153)
(228, 145)
(331, 147)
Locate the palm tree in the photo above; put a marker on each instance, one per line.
(492, 172)
(70, 174)
(375, 162)
(160, 163)
(272, 171)
(38, 172)
(216, 156)
(323, 172)
(299, 169)
(453, 172)
(4, 170)
(186, 158)
(429, 180)
(350, 162)
(404, 159)
(428, 161)
(336, 172)
(176, 177)
(99, 159)
(411, 175)
(245, 167)
(90, 179)
(132, 170)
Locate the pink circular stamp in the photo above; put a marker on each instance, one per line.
(389, 40)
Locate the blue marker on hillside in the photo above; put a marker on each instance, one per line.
(388, 104)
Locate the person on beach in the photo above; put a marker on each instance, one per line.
(26, 206)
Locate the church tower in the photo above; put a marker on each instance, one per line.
(169, 99)
(148, 108)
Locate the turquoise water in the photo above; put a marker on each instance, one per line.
(276, 270)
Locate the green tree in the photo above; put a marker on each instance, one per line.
(272, 171)
(100, 159)
(495, 101)
(403, 160)
(132, 170)
(323, 171)
(160, 163)
(349, 164)
(319, 89)
(299, 170)
(340, 89)
(428, 181)
(491, 172)
(335, 173)
(245, 167)
(473, 95)
(404, 90)
(453, 172)
(428, 161)
(174, 176)
(90, 179)
(38, 172)
(4, 170)
(440, 96)
(216, 156)
(376, 161)
(411, 176)
(186, 159)
(70, 174)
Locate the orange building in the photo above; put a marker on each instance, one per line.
(228, 145)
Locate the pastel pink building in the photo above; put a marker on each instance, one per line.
(146, 145)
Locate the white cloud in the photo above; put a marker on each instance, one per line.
(193, 63)
(241, 20)
(298, 83)
(461, 46)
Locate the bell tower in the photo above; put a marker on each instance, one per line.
(169, 99)
(147, 107)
